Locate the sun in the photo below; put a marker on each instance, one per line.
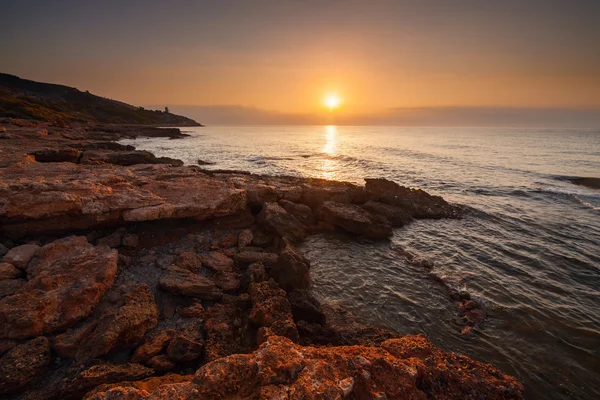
(332, 101)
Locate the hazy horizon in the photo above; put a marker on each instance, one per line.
(266, 62)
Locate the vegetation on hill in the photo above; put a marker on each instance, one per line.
(22, 98)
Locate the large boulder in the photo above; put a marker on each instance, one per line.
(21, 255)
(302, 212)
(397, 216)
(291, 271)
(278, 220)
(22, 364)
(354, 219)
(121, 321)
(183, 282)
(125, 158)
(66, 281)
(417, 202)
(56, 155)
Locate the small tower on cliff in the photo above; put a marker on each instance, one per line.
(167, 110)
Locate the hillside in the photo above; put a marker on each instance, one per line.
(22, 98)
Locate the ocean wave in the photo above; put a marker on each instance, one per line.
(568, 192)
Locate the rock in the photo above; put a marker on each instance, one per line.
(316, 191)
(256, 273)
(66, 281)
(291, 270)
(22, 364)
(416, 202)
(53, 198)
(189, 260)
(271, 309)
(227, 280)
(113, 240)
(250, 257)
(354, 219)
(183, 282)
(217, 261)
(153, 345)
(57, 155)
(464, 295)
(122, 320)
(275, 218)
(245, 239)
(305, 307)
(279, 368)
(144, 386)
(8, 271)
(125, 158)
(4, 249)
(226, 240)
(470, 305)
(194, 311)
(161, 363)
(10, 286)
(396, 216)
(183, 348)
(6, 345)
(79, 382)
(21, 255)
(301, 212)
(226, 332)
(131, 241)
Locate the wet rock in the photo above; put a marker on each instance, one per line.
(301, 212)
(278, 220)
(189, 260)
(22, 364)
(417, 202)
(271, 309)
(131, 241)
(183, 282)
(397, 216)
(10, 286)
(21, 255)
(250, 257)
(227, 280)
(8, 271)
(122, 320)
(153, 345)
(57, 155)
(226, 331)
(354, 219)
(66, 281)
(305, 307)
(113, 240)
(291, 270)
(245, 239)
(217, 261)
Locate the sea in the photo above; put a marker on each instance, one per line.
(528, 248)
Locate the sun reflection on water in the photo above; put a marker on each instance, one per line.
(329, 167)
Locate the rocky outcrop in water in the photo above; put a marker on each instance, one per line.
(188, 285)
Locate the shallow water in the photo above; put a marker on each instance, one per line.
(529, 250)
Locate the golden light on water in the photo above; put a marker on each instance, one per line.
(329, 166)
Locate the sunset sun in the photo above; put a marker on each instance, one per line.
(332, 101)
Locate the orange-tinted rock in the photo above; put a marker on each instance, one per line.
(227, 281)
(22, 364)
(122, 320)
(183, 282)
(66, 281)
(301, 212)
(225, 331)
(248, 257)
(184, 348)
(354, 219)
(8, 271)
(271, 309)
(10, 286)
(153, 345)
(189, 260)
(245, 238)
(145, 386)
(161, 363)
(217, 261)
(193, 311)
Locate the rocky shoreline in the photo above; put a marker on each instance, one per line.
(128, 276)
